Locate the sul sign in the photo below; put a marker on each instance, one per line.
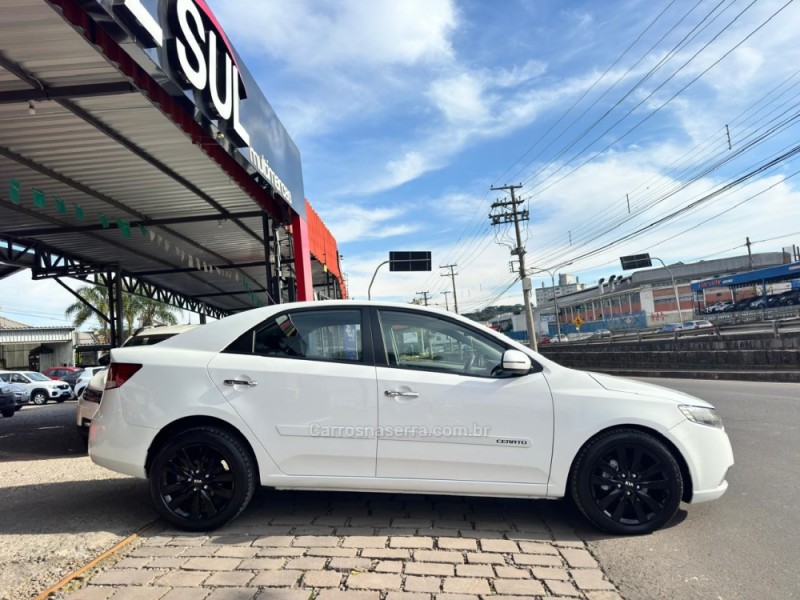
(199, 57)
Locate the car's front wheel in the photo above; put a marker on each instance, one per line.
(202, 478)
(627, 482)
(39, 397)
(8, 412)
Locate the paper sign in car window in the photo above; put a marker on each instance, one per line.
(287, 326)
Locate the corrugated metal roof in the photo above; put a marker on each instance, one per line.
(9, 324)
(105, 158)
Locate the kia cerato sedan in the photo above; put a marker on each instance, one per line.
(395, 398)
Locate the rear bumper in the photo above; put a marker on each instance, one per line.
(7, 400)
(124, 450)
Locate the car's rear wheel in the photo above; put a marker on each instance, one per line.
(627, 482)
(202, 478)
(8, 412)
(39, 397)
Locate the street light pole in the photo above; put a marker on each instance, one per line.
(674, 288)
(638, 261)
(555, 296)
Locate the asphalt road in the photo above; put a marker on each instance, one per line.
(745, 545)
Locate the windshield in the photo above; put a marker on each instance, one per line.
(36, 376)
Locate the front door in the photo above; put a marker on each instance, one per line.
(305, 385)
(446, 410)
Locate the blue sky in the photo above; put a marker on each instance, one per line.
(406, 113)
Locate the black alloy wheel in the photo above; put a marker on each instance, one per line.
(627, 482)
(202, 479)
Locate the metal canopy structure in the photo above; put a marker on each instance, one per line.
(761, 277)
(108, 174)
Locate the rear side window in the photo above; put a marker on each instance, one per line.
(328, 335)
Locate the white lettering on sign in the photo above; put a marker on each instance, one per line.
(262, 166)
(138, 13)
(200, 57)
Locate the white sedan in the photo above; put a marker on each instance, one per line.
(395, 398)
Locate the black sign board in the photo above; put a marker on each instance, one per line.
(635, 261)
(409, 261)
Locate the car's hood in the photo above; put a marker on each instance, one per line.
(621, 384)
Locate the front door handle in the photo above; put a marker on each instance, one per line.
(240, 382)
(397, 394)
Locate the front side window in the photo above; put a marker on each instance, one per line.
(413, 341)
(329, 335)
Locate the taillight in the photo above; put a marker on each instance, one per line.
(119, 373)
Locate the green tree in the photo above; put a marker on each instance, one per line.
(152, 311)
(133, 308)
(80, 313)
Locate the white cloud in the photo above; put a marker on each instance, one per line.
(315, 35)
(354, 223)
(460, 98)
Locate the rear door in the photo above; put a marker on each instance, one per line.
(304, 381)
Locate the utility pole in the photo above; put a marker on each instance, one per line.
(452, 276)
(446, 305)
(749, 254)
(511, 213)
(424, 297)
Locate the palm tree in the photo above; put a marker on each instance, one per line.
(150, 311)
(80, 313)
(133, 307)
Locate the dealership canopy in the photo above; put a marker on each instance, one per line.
(137, 151)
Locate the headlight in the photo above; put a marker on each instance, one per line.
(5, 390)
(702, 415)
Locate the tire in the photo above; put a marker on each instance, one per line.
(8, 412)
(39, 397)
(202, 479)
(626, 482)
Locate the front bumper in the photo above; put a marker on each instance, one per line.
(709, 457)
(59, 394)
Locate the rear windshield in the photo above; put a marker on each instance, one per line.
(148, 340)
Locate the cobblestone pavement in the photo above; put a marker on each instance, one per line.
(305, 545)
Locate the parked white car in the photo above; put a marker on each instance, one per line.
(90, 391)
(84, 378)
(329, 395)
(40, 388)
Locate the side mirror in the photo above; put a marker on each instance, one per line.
(516, 362)
(104, 360)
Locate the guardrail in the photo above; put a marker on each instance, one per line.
(767, 350)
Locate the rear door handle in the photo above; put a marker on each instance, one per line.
(397, 394)
(240, 382)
